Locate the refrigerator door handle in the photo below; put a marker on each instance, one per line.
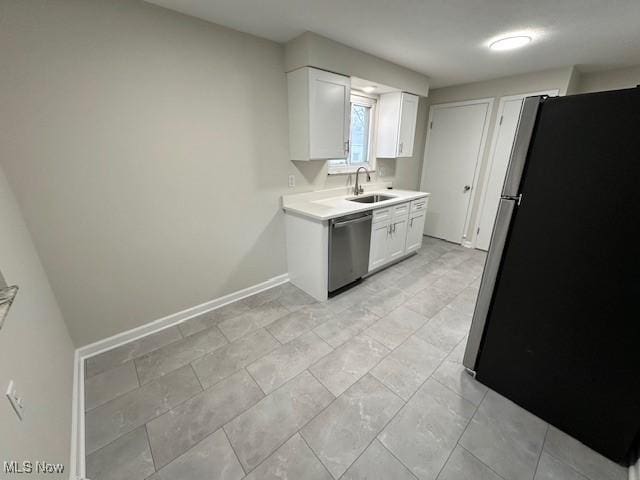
(526, 124)
(506, 208)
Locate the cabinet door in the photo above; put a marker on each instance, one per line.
(329, 114)
(378, 250)
(397, 238)
(408, 116)
(415, 232)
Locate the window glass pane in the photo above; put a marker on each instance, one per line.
(359, 148)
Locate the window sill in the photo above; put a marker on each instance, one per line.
(346, 171)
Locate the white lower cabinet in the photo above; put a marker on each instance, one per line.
(378, 250)
(390, 233)
(415, 230)
(397, 238)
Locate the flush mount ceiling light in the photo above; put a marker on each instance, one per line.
(510, 43)
(368, 89)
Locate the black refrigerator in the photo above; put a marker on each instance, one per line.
(556, 327)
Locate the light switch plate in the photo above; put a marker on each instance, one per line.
(15, 400)
(292, 180)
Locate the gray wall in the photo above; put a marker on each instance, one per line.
(310, 49)
(148, 151)
(608, 80)
(35, 350)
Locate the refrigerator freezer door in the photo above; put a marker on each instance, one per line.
(491, 267)
(530, 107)
(562, 332)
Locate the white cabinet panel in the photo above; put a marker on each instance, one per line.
(415, 231)
(378, 248)
(382, 215)
(420, 204)
(397, 238)
(319, 112)
(397, 114)
(390, 230)
(408, 116)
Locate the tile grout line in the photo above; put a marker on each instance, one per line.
(224, 432)
(153, 460)
(147, 421)
(473, 455)
(475, 410)
(299, 432)
(197, 378)
(544, 440)
(208, 435)
(392, 454)
(336, 397)
(411, 397)
(405, 402)
(118, 396)
(587, 477)
(207, 330)
(203, 389)
(134, 358)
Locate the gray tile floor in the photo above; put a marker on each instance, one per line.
(368, 385)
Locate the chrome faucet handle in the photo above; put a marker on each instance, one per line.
(360, 189)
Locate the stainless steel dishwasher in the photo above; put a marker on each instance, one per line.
(349, 240)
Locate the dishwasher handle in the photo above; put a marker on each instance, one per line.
(351, 222)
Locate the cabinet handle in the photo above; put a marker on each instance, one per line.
(401, 145)
(411, 224)
(346, 146)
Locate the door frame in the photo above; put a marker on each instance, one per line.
(492, 151)
(464, 241)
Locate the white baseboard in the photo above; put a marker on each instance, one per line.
(176, 318)
(77, 460)
(467, 244)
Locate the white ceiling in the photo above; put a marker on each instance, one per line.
(447, 39)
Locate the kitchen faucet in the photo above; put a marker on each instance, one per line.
(358, 190)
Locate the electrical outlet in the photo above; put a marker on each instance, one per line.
(292, 180)
(15, 399)
(382, 172)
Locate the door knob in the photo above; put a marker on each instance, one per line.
(467, 188)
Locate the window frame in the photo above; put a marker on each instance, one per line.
(358, 98)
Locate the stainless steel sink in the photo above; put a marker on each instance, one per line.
(375, 198)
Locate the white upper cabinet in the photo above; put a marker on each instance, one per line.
(319, 111)
(397, 114)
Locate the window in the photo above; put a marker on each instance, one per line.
(361, 152)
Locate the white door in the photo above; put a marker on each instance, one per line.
(454, 146)
(330, 111)
(378, 249)
(414, 232)
(397, 239)
(503, 137)
(505, 134)
(408, 116)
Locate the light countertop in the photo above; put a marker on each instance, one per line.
(338, 206)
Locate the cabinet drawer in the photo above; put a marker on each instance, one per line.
(401, 210)
(382, 214)
(419, 204)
